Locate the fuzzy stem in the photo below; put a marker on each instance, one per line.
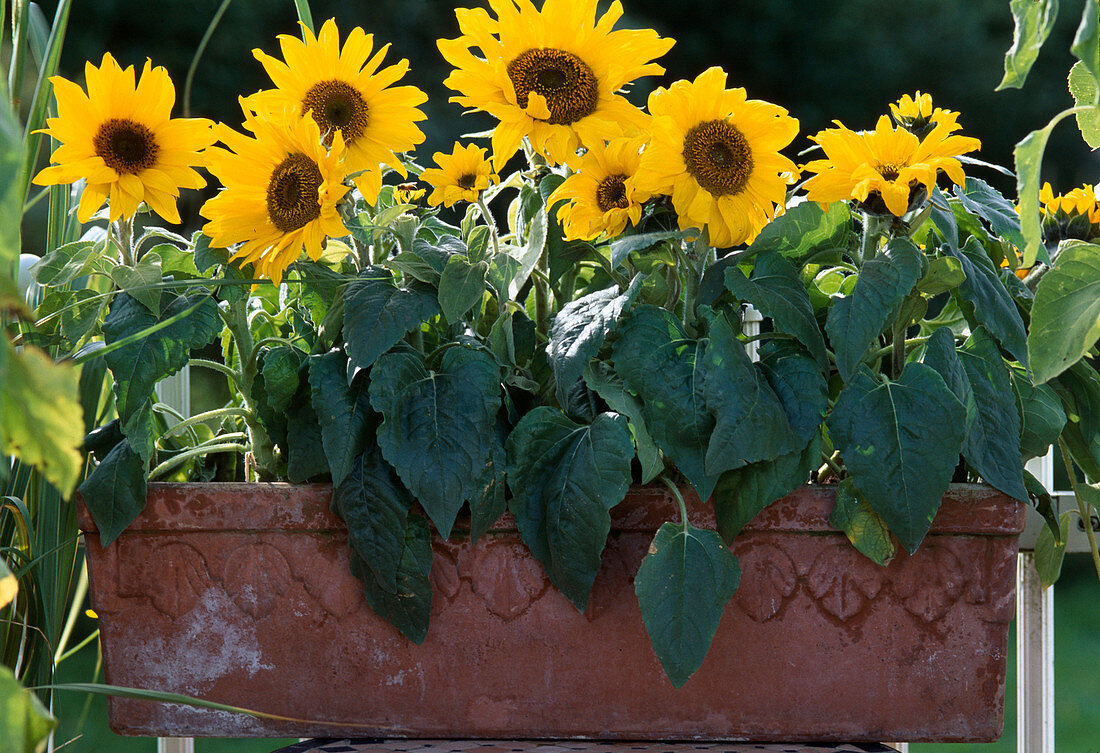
(1082, 507)
(679, 500)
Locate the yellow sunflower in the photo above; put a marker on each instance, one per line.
(917, 115)
(889, 170)
(602, 197)
(716, 152)
(550, 75)
(121, 139)
(461, 176)
(1080, 201)
(346, 90)
(282, 188)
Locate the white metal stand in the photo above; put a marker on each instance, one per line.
(175, 745)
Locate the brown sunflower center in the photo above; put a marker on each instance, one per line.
(126, 146)
(337, 104)
(292, 193)
(566, 81)
(718, 156)
(467, 181)
(611, 193)
(888, 171)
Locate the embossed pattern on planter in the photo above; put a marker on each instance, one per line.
(818, 644)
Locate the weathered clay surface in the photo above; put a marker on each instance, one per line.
(241, 594)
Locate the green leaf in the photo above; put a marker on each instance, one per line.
(1050, 551)
(281, 367)
(565, 477)
(304, 439)
(855, 321)
(461, 286)
(115, 491)
(375, 506)
(623, 246)
(1028, 159)
(141, 280)
(900, 442)
(141, 364)
(491, 501)
(41, 421)
(683, 585)
(343, 412)
(805, 229)
(66, 263)
(861, 524)
(1034, 20)
(377, 313)
(777, 291)
(207, 256)
(1086, 42)
(1041, 415)
(25, 724)
(81, 313)
(985, 301)
(579, 331)
(602, 380)
(12, 181)
(438, 425)
(9, 585)
(1065, 318)
(800, 386)
(408, 608)
(742, 493)
(987, 202)
(944, 273)
(1085, 94)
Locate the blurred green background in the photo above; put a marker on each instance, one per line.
(822, 59)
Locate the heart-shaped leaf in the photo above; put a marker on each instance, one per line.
(377, 313)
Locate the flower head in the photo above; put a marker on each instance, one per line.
(282, 187)
(461, 176)
(1075, 214)
(917, 115)
(121, 139)
(550, 75)
(346, 90)
(889, 170)
(601, 197)
(716, 152)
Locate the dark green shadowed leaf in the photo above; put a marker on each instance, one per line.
(683, 586)
(855, 321)
(377, 313)
(985, 301)
(304, 439)
(1065, 318)
(777, 291)
(115, 491)
(409, 608)
(491, 501)
(438, 425)
(565, 477)
(461, 286)
(375, 506)
(804, 230)
(987, 202)
(1041, 415)
(799, 385)
(861, 524)
(1050, 551)
(343, 411)
(602, 380)
(1034, 20)
(900, 442)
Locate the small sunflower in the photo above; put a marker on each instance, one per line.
(346, 90)
(601, 197)
(716, 152)
(282, 188)
(461, 176)
(888, 170)
(121, 139)
(1075, 214)
(550, 75)
(917, 115)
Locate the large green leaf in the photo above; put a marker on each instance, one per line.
(1065, 318)
(602, 380)
(280, 367)
(683, 585)
(804, 230)
(438, 424)
(1041, 415)
(377, 313)
(799, 385)
(855, 321)
(304, 439)
(66, 263)
(1034, 20)
(627, 244)
(579, 330)
(491, 501)
(343, 411)
(986, 302)
(41, 421)
(900, 442)
(1085, 93)
(1086, 42)
(25, 724)
(139, 365)
(987, 202)
(115, 491)
(12, 188)
(565, 477)
(1028, 160)
(409, 607)
(861, 524)
(375, 506)
(461, 286)
(777, 291)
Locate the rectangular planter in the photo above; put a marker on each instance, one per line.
(240, 593)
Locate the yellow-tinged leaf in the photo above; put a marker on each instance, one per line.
(9, 586)
(41, 421)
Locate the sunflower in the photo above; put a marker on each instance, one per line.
(1075, 214)
(121, 139)
(461, 176)
(282, 187)
(601, 197)
(550, 75)
(889, 170)
(345, 90)
(716, 152)
(917, 115)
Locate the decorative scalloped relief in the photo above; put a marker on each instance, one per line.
(930, 582)
(843, 581)
(327, 581)
(256, 575)
(773, 578)
(174, 576)
(507, 583)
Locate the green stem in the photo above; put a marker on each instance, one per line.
(1082, 507)
(490, 222)
(178, 460)
(221, 368)
(199, 418)
(263, 449)
(679, 500)
(897, 349)
(198, 54)
(76, 649)
(304, 16)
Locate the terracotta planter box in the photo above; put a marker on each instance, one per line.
(240, 593)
